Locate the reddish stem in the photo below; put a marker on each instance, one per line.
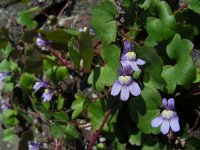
(99, 130)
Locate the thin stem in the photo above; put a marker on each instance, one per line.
(63, 9)
(99, 130)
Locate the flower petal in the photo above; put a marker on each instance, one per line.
(135, 89)
(115, 88)
(134, 66)
(140, 62)
(156, 121)
(174, 124)
(165, 126)
(171, 104)
(124, 93)
(164, 103)
(125, 63)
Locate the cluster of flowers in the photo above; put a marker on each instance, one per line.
(168, 120)
(48, 93)
(125, 82)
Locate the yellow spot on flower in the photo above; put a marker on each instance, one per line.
(131, 55)
(167, 114)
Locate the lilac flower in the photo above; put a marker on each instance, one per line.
(33, 145)
(42, 42)
(4, 107)
(39, 84)
(125, 84)
(47, 95)
(168, 118)
(129, 57)
(91, 31)
(3, 75)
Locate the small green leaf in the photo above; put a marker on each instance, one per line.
(9, 135)
(78, 105)
(57, 73)
(86, 49)
(194, 5)
(103, 21)
(25, 18)
(26, 81)
(74, 53)
(183, 72)
(5, 52)
(60, 102)
(57, 130)
(9, 117)
(61, 117)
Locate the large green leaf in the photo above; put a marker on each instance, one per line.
(9, 117)
(183, 72)
(145, 108)
(103, 21)
(161, 28)
(106, 75)
(152, 68)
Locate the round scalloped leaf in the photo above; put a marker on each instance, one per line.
(152, 68)
(103, 21)
(145, 108)
(183, 72)
(161, 28)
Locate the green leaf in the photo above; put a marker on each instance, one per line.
(152, 68)
(9, 135)
(59, 130)
(161, 28)
(148, 4)
(135, 139)
(183, 72)
(99, 76)
(154, 147)
(78, 105)
(145, 108)
(103, 21)
(57, 73)
(60, 103)
(96, 113)
(86, 49)
(74, 53)
(61, 117)
(194, 5)
(25, 18)
(9, 65)
(5, 52)
(59, 36)
(193, 142)
(9, 117)
(197, 75)
(26, 81)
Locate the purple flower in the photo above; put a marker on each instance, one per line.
(33, 145)
(125, 84)
(91, 31)
(39, 84)
(168, 118)
(3, 75)
(47, 95)
(42, 42)
(129, 57)
(128, 46)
